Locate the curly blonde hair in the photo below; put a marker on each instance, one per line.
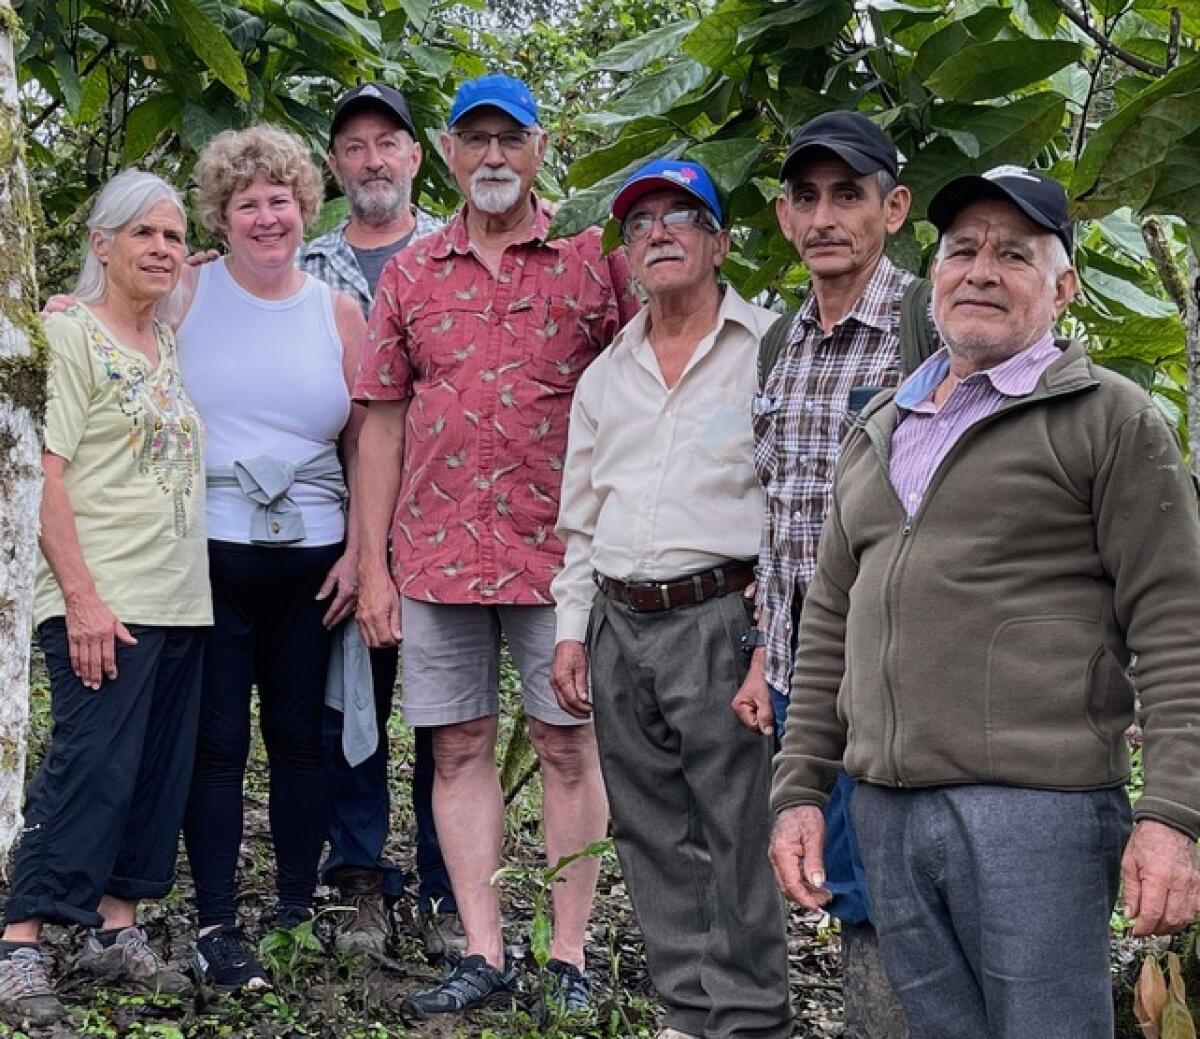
(234, 158)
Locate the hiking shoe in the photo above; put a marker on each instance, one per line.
(567, 987)
(225, 960)
(288, 918)
(25, 991)
(442, 934)
(130, 959)
(471, 983)
(369, 929)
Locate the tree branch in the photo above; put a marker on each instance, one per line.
(54, 105)
(1159, 247)
(1105, 44)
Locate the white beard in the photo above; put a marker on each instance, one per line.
(495, 191)
(375, 206)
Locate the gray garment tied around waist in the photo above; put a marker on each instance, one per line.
(277, 520)
(265, 481)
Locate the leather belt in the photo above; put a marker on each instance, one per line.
(654, 596)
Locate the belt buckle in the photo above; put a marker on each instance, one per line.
(664, 594)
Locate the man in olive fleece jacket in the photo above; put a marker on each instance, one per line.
(1009, 528)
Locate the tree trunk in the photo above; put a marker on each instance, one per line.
(22, 401)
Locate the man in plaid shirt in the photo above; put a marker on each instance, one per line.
(374, 156)
(840, 203)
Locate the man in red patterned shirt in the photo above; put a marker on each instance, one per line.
(478, 335)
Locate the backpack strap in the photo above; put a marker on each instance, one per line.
(772, 345)
(918, 335)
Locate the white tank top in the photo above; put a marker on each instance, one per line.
(266, 377)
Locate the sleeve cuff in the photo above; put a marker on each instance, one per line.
(572, 623)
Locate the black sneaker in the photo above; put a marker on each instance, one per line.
(567, 988)
(225, 960)
(472, 983)
(288, 918)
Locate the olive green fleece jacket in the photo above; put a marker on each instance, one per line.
(986, 639)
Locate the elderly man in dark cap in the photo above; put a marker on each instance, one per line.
(992, 563)
(660, 515)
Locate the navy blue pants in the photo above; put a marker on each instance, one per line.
(267, 634)
(103, 811)
(359, 824)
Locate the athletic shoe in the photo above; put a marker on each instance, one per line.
(471, 983)
(129, 959)
(225, 960)
(442, 934)
(25, 992)
(567, 987)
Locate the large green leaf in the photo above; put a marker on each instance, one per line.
(1177, 188)
(146, 123)
(638, 139)
(589, 207)
(798, 24)
(728, 161)
(634, 55)
(999, 67)
(1014, 133)
(1182, 82)
(208, 40)
(714, 41)
(657, 92)
(68, 79)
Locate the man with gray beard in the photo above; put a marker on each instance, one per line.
(374, 156)
(477, 338)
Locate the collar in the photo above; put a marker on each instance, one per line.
(456, 238)
(875, 306)
(335, 238)
(1016, 377)
(733, 309)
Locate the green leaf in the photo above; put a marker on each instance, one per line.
(714, 41)
(437, 61)
(68, 80)
(965, 141)
(208, 40)
(1126, 294)
(655, 93)
(1043, 13)
(634, 55)
(418, 12)
(728, 161)
(999, 67)
(632, 144)
(146, 122)
(1177, 186)
(1014, 133)
(807, 24)
(200, 123)
(539, 937)
(590, 207)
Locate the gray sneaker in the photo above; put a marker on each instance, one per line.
(442, 934)
(131, 960)
(25, 992)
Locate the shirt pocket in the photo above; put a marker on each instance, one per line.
(448, 335)
(721, 431)
(559, 343)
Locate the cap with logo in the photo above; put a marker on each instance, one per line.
(1042, 199)
(666, 174)
(853, 138)
(506, 93)
(367, 96)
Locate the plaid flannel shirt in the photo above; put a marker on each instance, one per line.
(800, 418)
(332, 259)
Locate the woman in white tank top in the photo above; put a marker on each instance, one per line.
(268, 354)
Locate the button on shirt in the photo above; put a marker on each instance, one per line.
(927, 431)
(660, 482)
(800, 420)
(489, 364)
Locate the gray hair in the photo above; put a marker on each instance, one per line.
(130, 194)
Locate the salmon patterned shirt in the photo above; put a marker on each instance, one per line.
(489, 365)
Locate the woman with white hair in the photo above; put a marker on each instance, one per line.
(122, 606)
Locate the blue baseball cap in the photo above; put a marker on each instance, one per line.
(506, 93)
(689, 177)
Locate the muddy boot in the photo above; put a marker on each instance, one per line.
(126, 957)
(872, 1009)
(25, 992)
(369, 929)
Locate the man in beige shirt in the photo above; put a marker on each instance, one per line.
(660, 510)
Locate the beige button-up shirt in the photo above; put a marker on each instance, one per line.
(659, 483)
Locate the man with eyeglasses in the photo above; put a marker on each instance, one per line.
(477, 337)
(660, 516)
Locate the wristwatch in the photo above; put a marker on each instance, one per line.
(752, 638)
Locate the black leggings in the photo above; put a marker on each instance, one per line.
(267, 632)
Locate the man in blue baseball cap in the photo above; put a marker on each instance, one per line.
(660, 513)
(478, 335)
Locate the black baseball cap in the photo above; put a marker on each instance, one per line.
(371, 95)
(1039, 197)
(853, 138)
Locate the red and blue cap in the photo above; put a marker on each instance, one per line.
(671, 174)
(506, 93)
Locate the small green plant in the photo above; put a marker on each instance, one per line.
(291, 953)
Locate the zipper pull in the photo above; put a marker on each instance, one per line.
(908, 525)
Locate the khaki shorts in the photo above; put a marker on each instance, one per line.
(452, 661)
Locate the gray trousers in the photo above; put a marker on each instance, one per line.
(992, 906)
(688, 786)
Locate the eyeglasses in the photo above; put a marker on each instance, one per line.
(481, 140)
(639, 226)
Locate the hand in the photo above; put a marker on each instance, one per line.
(199, 259)
(378, 610)
(798, 856)
(57, 303)
(342, 583)
(92, 634)
(1162, 882)
(569, 678)
(752, 704)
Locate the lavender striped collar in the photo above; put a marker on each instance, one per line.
(1015, 377)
